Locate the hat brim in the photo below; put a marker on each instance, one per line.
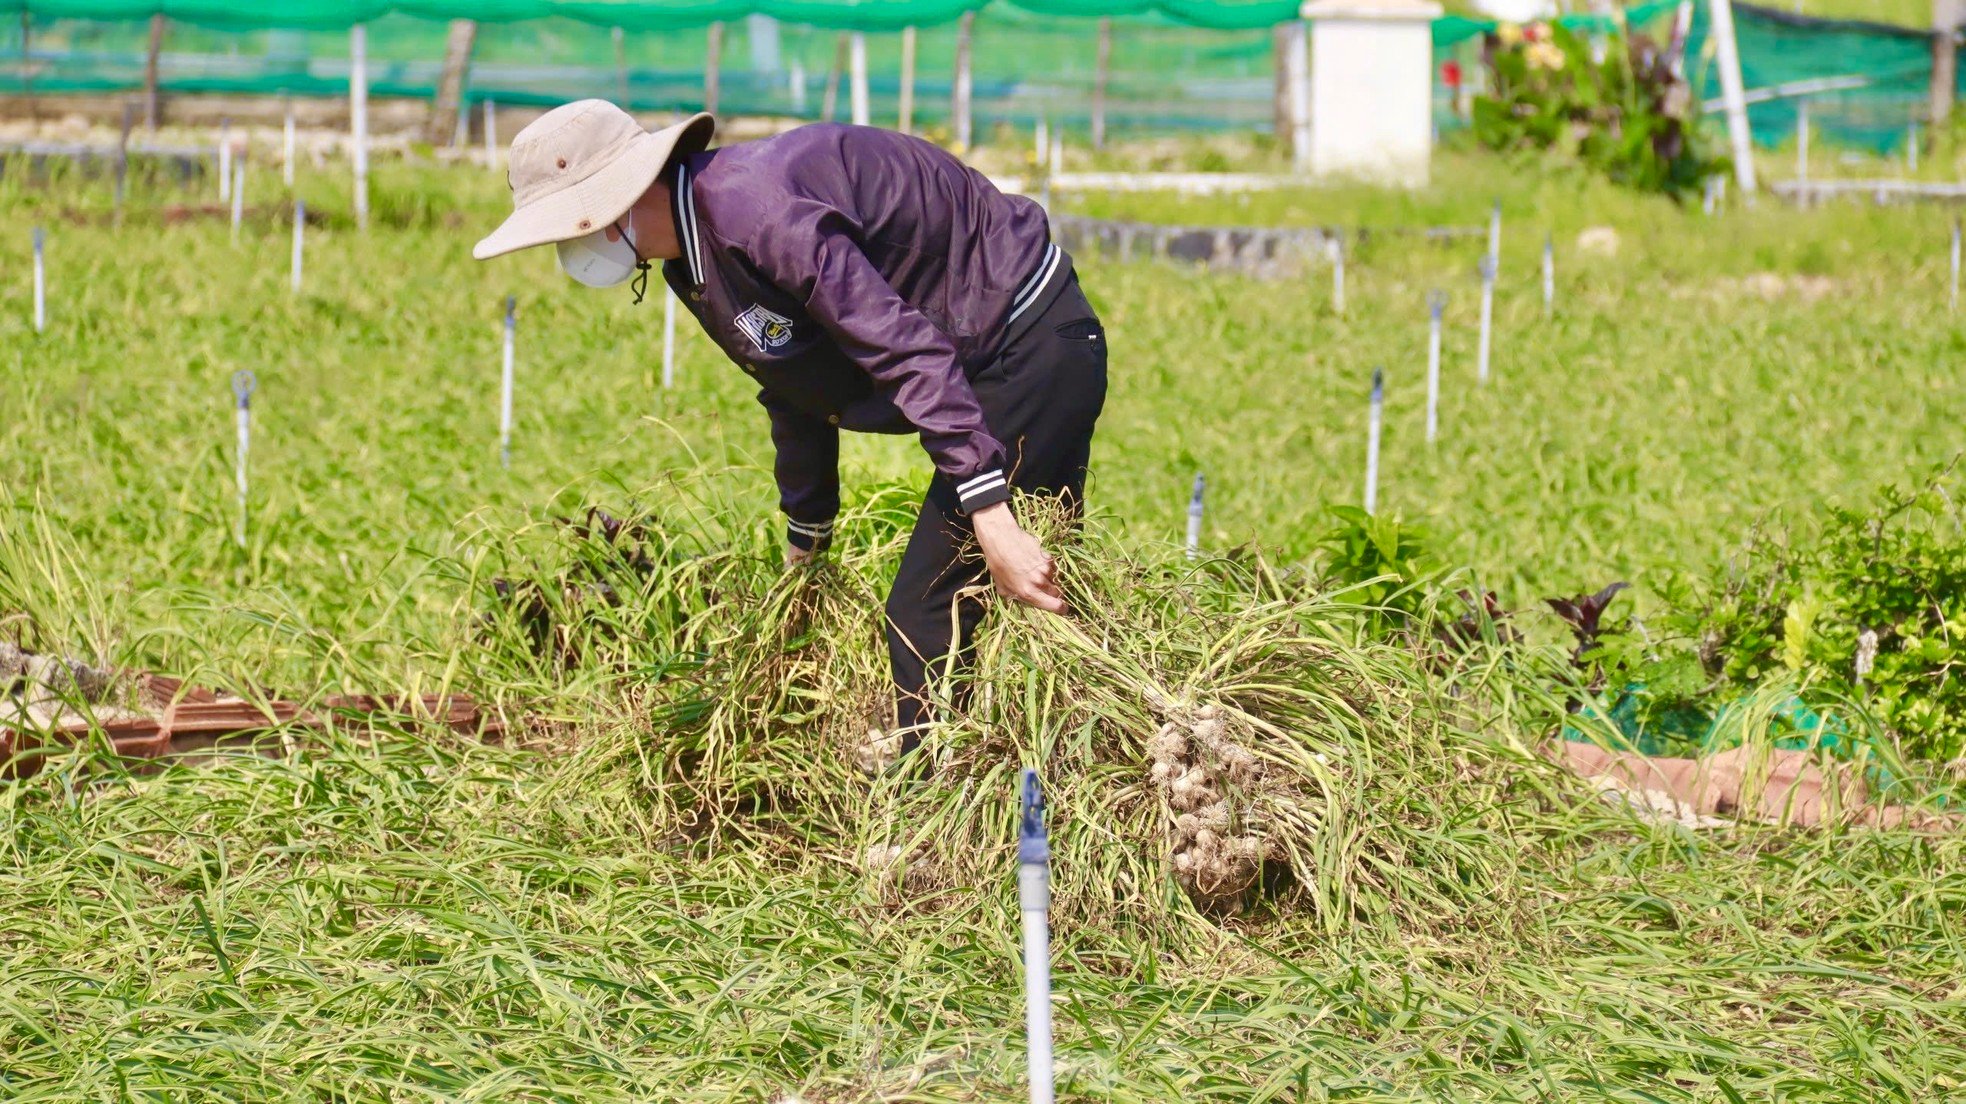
(598, 201)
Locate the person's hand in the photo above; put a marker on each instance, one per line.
(1019, 565)
(799, 557)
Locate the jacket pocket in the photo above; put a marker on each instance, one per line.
(1081, 329)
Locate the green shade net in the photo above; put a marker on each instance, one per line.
(1777, 47)
(1177, 65)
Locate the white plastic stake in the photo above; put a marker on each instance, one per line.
(224, 160)
(1802, 141)
(243, 384)
(1041, 143)
(287, 148)
(1911, 148)
(1549, 276)
(238, 197)
(491, 135)
(358, 113)
(1034, 901)
(1058, 152)
(505, 388)
(1194, 517)
(1372, 440)
(300, 232)
(668, 340)
(1337, 248)
(1436, 305)
(1487, 317)
(40, 282)
(1953, 300)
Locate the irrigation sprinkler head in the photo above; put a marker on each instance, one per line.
(511, 309)
(1033, 844)
(244, 383)
(1436, 304)
(40, 236)
(1378, 384)
(1201, 484)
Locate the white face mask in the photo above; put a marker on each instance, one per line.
(598, 262)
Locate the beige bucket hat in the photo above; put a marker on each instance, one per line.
(579, 167)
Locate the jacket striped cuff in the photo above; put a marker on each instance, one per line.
(987, 489)
(809, 536)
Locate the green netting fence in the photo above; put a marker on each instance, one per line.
(1176, 64)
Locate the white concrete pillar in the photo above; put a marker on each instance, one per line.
(1372, 88)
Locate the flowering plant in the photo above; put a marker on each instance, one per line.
(1617, 105)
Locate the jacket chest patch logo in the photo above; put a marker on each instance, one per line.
(767, 329)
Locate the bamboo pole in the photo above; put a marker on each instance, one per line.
(963, 88)
(713, 67)
(1102, 74)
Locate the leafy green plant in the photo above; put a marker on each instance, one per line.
(1380, 561)
(1621, 110)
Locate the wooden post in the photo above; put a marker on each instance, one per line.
(442, 123)
(829, 103)
(150, 73)
(27, 62)
(1733, 94)
(1280, 88)
(862, 111)
(712, 67)
(620, 67)
(1102, 73)
(358, 105)
(1945, 58)
(961, 89)
(907, 113)
(1299, 68)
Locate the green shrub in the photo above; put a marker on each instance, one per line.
(1628, 115)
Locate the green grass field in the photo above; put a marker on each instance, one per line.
(405, 916)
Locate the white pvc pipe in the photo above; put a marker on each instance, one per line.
(300, 232)
(1953, 300)
(358, 109)
(1337, 248)
(1436, 304)
(857, 65)
(40, 283)
(238, 198)
(1495, 235)
(1372, 440)
(1194, 517)
(1034, 901)
(243, 383)
(1549, 277)
(224, 160)
(1487, 318)
(505, 388)
(668, 340)
(1802, 140)
(1911, 148)
(1733, 92)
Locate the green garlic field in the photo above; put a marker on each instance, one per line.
(665, 881)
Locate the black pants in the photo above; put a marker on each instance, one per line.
(1040, 398)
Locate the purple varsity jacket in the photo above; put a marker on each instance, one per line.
(862, 277)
